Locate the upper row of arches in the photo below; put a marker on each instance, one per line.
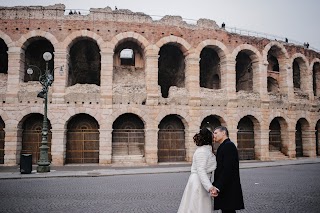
(130, 49)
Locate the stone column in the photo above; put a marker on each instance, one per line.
(58, 146)
(289, 80)
(106, 77)
(61, 58)
(151, 146)
(261, 144)
(289, 143)
(192, 73)
(190, 145)
(228, 77)
(151, 72)
(261, 82)
(105, 148)
(15, 73)
(12, 146)
(309, 143)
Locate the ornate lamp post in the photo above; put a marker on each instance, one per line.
(46, 79)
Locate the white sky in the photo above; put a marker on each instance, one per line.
(295, 19)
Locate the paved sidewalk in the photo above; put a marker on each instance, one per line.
(13, 172)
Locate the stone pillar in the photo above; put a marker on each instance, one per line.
(289, 143)
(12, 146)
(262, 83)
(151, 71)
(289, 80)
(105, 148)
(106, 77)
(192, 73)
(261, 147)
(58, 146)
(61, 58)
(190, 145)
(151, 146)
(15, 73)
(309, 145)
(228, 77)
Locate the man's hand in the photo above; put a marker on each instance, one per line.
(213, 192)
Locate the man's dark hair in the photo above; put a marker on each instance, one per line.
(223, 129)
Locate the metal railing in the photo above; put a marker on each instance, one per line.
(235, 30)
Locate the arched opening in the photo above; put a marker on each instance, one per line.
(245, 138)
(82, 140)
(275, 143)
(2, 136)
(128, 56)
(128, 136)
(85, 63)
(299, 148)
(273, 64)
(171, 140)
(171, 68)
(296, 74)
(32, 136)
(244, 72)
(302, 137)
(316, 79)
(317, 138)
(129, 73)
(273, 85)
(34, 56)
(3, 57)
(211, 122)
(209, 69)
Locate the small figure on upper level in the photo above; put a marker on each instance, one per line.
(223, 25)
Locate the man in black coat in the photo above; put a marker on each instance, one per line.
(227, 190)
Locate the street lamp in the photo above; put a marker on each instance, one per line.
(46, 79)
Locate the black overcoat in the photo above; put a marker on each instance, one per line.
(227, 178)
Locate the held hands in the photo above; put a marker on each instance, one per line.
(213, 192)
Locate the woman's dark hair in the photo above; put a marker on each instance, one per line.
(204, 137)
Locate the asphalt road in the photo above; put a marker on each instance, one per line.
(294, 188)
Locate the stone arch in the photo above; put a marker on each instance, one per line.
(171, 139)
(7, 39)
(276, 79)
(180, 42)
(180, 113)
(70, 39)
(278, 135)
(142, 41)
(212, 76)
(30, 135)
(82, 139)
(301, 76)
(128, 137)
(133, 110)
(314, 68)
(69, 114)
(248, 133)
(269, 46)
(247, 69)
(221, 49)
(23, 42)
(302, 137)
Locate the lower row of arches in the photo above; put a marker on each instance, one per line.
(128, 137)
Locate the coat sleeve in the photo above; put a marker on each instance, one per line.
(229, 162)
(201, 159)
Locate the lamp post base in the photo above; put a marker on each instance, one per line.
(42, 169)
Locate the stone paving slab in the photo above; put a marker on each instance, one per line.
(96, 171)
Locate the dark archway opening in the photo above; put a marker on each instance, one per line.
(209, 69)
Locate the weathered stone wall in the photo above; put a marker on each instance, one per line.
(136, 91)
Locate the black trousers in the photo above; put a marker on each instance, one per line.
(228, 211)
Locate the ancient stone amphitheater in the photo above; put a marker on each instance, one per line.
(135, 90)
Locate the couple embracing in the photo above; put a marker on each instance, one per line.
(226, 188)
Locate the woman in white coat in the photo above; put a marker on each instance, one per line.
(196, 197)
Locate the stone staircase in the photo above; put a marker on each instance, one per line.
(128, 160)
(277, 155)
